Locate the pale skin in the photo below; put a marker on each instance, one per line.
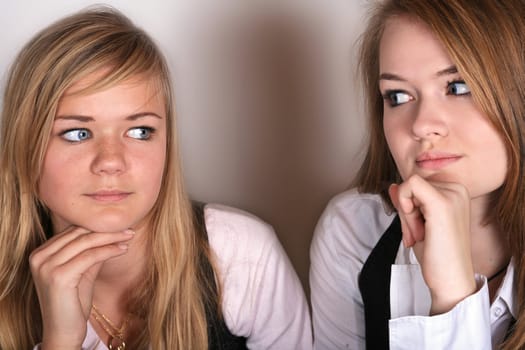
(100, 179)
(441, 144)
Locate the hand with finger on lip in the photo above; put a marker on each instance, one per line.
(64, 270)
(435, 221)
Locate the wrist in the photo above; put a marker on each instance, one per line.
(52, 346)
(51, 343)
(445, 299)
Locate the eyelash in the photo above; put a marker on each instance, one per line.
(388, 95)
(149, 130)
(458, 81)
(63, 134)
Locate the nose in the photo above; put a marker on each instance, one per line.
(430, 121)
(109, 158)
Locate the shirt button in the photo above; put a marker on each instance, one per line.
(497, 312)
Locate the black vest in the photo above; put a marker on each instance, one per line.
(374, 284)
(219, 336)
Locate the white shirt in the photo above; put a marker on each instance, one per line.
(346, 233)
(263, 299)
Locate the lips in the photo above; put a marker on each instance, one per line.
(436, 160)
(109, 195)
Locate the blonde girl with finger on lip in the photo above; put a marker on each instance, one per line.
(100, 247)
(426, 252)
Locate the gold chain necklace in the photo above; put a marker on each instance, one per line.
(116, 333)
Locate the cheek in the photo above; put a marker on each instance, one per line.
(496, 157)
(399, 144)
(61, 176)
(493, 156)
(154, 171)
(51, 191)
(50, 180)
(392, 137)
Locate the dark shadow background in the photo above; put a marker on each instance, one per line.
(282, 130)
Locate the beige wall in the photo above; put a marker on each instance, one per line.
(267, 102)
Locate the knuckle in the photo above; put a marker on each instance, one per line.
(83, 239)
(91, 240)
(414, 179)
(56, 276)
(34, 260)
(43, 270)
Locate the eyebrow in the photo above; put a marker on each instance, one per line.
(87, 119)
(446, 71)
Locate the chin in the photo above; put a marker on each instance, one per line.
(445, 177)
(107, 228)
(112, 226)
(109, 224)
(101, 221)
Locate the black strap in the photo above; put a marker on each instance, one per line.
(374, 284)
(219, 336)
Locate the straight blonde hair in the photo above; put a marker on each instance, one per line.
(176, 291)
(484, 39)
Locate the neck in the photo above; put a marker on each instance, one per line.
(113, 288)
(489, 249)
(119, 276)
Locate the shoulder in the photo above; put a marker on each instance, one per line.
(231, 228)
(355, 205)
(262, 298)
(351, 212)
(346, 232)
(352, 222)
(240, 242)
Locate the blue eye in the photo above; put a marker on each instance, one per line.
(397, 97)
(141, 133)
(458, 88)
(76, 135)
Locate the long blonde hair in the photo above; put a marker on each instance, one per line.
(484, 39)
(174, 295)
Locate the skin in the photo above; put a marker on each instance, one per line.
(441, 144)
(100, 179)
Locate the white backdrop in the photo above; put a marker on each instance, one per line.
(269, 114)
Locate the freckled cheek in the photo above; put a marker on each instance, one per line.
(58, 176)
(51, 185)
(153, 169)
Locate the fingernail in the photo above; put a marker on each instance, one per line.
(129, 231)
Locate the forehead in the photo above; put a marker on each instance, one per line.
(106, 78)
(94, 96)
(407, 44)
